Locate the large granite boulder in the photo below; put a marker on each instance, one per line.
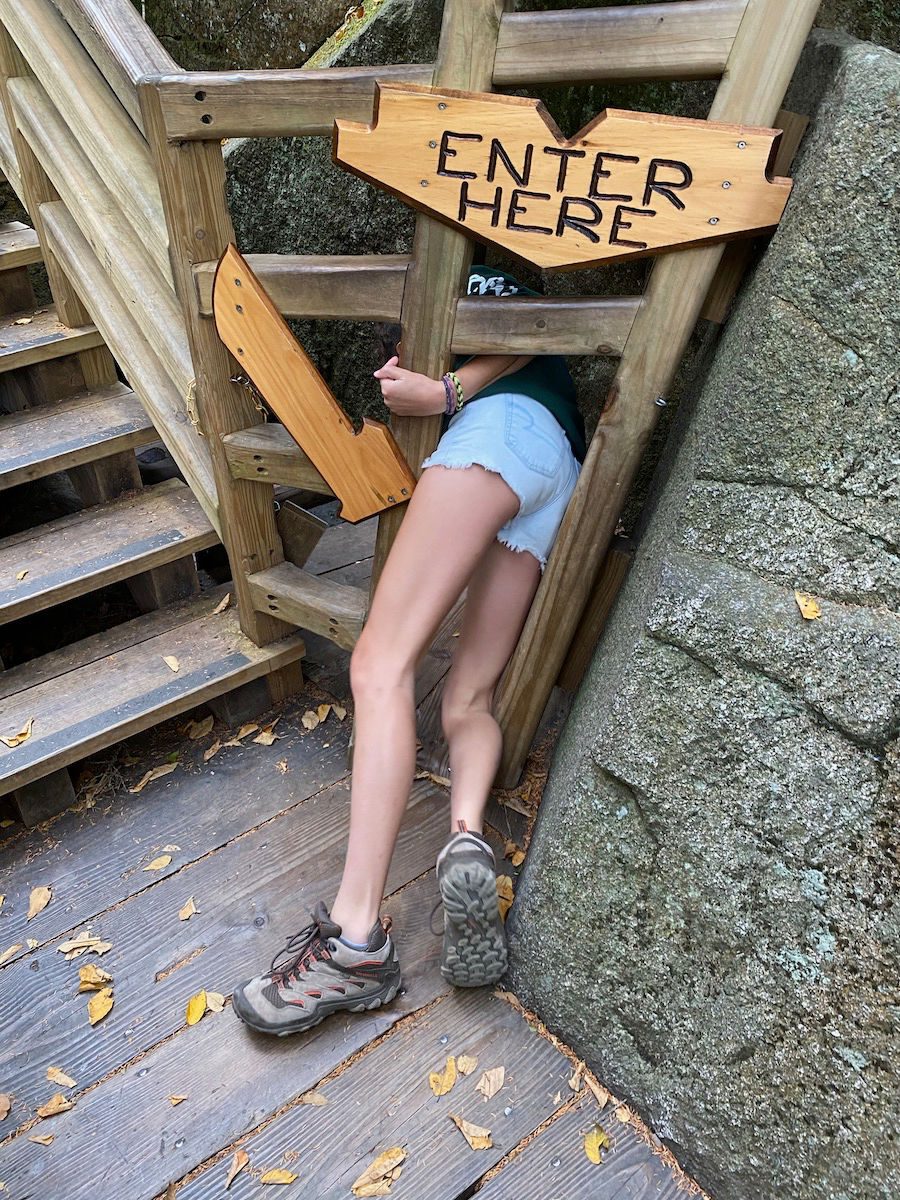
(709, 911)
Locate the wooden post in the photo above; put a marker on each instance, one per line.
(762, 60)
(441, 257)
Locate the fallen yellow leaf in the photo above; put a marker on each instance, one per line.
(623, 1114)
(575, 1079)
(322, 711)
(377, 1178)
(596, 1141)
(246, 730)
(5, 1106)
(175, 1100)
(240, 1160)
(42, 1139)
(267, 734)
(92, 978)
(196, 1007)
(278, 1175)
(16, 739)
(100, 1004)
(56, 1104)
(477, 1136)
(199, 729)
(212, 750)
(55, 1075)
(601, 1094)
(310, 719)
(190, 909)
(315, 1098)
(491, 1082)
(40, 898)
(441, 1082)
(465, 1064)
(810, 609)
(339, 711)
(171, 662)
(7, 954)
(215, 1002)
(156, 773)
(222, 605)
(505, 894)
(159, 863)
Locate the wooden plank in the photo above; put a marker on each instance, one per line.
(364, 469)
(56, 436)
(216, 1055)
(19, 245)
(286, 103)
(121, 44)
(684, 39)
(36, 336)
(392, 1104)
(300, 531)
(192, 178)
(151, 382)
(555, 1163)
(100, 125)
(441, 256)
(96, 547)
(613, 574)
(269, 454)
(8, 164)
(361, 287)
(311, 602)
(761, 63)
(107, 701)
(342, 546)
(544, 325)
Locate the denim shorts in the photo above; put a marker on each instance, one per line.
(525, 445)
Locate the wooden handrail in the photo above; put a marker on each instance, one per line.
(682, 39)
(122, 46)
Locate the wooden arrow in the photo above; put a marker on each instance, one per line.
(366, 470)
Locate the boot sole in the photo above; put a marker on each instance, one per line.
(253, 1021)
(474, 952)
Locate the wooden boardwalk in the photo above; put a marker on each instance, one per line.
(255, 835)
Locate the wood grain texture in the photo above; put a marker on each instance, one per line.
(361, 287)
(613, 574)
(543, 325)
(286, 103)
(688, 39)
(39, 442)
(765, 51)
(107, 701)
(269, 453)
(151, 382)
(300, 531)
(8, 164)
(96, 547)
(365, 470)
(441, 256)
(311, 602)
(40, 337)
(19, 245)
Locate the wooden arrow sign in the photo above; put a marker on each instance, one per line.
(629, 184)
(365, 470)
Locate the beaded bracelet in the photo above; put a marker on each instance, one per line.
(450, 393)
(452, 378)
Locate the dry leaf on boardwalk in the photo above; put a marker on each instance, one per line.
(159, 863)
(322, 711)
(491, 1082)
(42, 1139)
(189, 910)
(810, 609)
(315, 1098)
(100, 1004)
(441, 1082)
(513, 852)
(176, 1100)
(5, 1106)
(377, 1178)
(440, 780)
(7, 954)
(278, 1175)
(310, 719)
(38, 901)
(596, 1141)
(32, 943)
(2, 900)
(213, 750)
(267, 735)
(171, 662)
(55, 1075)
(20, 575)
(23, 321)
(92, 978)
(16, 739)
(246, 730)
(505, 894)
(222, 605)
(477, 1136)
(56, 1104)
(156, 773)
(83, 943)
(215, 1002)
(466, 1064)
(575, 1078)
(282, 766)
(199, 729)
(240, 1160)
(196, 1007)
(339, 711)
(601, 1094)
(623, 1114)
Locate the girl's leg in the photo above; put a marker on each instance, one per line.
(497, 603)
(452, 518)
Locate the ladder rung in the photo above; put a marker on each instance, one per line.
(311, 602)
(268, 454)
(551, 325)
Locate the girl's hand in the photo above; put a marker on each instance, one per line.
(409, 394)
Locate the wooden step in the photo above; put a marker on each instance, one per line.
(37, 336)
(67, 433)
(108, 696)
(268, 454)
(19, 246)
(99, 546)
(313, 602)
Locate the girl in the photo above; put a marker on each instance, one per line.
(483, 518)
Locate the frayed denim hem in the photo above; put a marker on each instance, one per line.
(511, 545)
(434, 460)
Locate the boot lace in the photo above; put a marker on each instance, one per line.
(300, 950)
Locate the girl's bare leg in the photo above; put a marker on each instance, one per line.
(497, 603)
(453, 516)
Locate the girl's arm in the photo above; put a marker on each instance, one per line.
(410, 394)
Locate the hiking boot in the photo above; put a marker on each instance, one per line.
(316, 974)
(474, 950)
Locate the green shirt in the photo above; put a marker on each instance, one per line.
(545, 379)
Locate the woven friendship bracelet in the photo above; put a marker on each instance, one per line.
(450, 393)
(460, 398)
